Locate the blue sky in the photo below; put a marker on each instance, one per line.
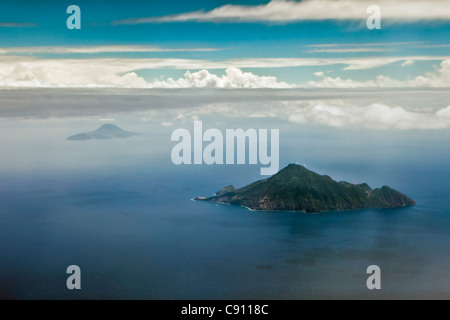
(312, 47)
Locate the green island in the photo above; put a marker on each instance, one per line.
(296, 188)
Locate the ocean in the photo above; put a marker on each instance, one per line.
(122, 212)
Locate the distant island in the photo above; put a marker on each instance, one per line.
(296, 188)
(105, 132)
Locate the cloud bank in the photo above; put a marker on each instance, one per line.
(360, 109)
(375, 116)
(438, 79)
(233, 78)
(285, 11)
(54, 74)
(25, 71)
(329, 113)
(19, 69)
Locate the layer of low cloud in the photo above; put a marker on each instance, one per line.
(233, 78)
(375, 116)
(330, 113)
(285, 11)
(438, 79)
(25, 71)
(80, 73)
(366, 109)
(14, 59)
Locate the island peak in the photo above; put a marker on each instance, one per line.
(105, 132)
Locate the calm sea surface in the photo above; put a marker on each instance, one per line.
(123, 212)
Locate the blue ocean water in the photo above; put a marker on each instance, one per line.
(123, 212)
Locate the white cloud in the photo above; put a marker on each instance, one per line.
(407, 63)
(368, 44)
(346, 50)
(92, 68)
(32, 72)
(283, 11)
(96, 49)
(23, 71)
(372, 109)
(331, 113)
(374, 116)
(363, 63)
(330, 82)
(438, 79)
(116, 73)
(444, 113)
(71, 73)
(233, 78)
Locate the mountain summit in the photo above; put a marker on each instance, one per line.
(296, 188)
(105, 132)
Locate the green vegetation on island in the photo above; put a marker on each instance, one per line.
(296, 188)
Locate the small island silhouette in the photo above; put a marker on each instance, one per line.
(296, 188)
(105, 132)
